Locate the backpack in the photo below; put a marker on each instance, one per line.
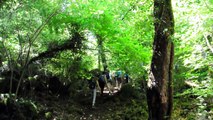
(119, 74)
(126, 76)
(108, 76)
(101, 79)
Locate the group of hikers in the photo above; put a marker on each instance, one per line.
(107, 79)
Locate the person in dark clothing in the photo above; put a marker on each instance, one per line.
(102, 82)
(119, 77)
(93, 85)
(109, 82)
(126, 78)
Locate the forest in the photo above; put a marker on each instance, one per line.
(106, 59)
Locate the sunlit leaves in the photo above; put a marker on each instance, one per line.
(193, 21)
(115, 21)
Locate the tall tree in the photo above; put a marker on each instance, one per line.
(159, 92)
(101, 53)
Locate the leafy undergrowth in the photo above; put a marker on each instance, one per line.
(191, 107)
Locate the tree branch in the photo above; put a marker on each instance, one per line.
(73, 44)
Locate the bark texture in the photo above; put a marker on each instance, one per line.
(159, 91)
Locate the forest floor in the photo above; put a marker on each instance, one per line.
(107, 107)
(122, 105)
(127, 104)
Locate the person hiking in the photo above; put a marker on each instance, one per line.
(93, 85)
(109, 82)
(119, 79)
(126, 77)
(102, 82)
(114, 77)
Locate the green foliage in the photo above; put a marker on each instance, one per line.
(193, 61)
(119, 37)
(193, 57)
(29, 27)
(118, 28)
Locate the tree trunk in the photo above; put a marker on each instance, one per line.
(159, 91)
(101, 53)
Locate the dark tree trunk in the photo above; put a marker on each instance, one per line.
(159, 91)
